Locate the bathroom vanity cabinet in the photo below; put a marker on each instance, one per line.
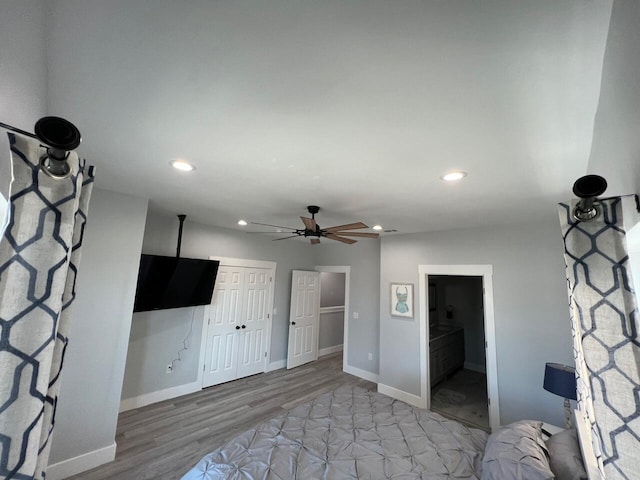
(446, 352)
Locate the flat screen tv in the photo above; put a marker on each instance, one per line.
(172, 282)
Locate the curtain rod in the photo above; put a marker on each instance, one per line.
(17, 130)
(60, 136)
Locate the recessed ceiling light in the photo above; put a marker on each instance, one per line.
(242, 223)
(377, 227)
(182, 165)
(453, 176)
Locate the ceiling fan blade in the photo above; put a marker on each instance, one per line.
(274, 226)
(360, 234)
(284, 238)
(315, 241)
(333, 236)
(309, 223)
(349, 226)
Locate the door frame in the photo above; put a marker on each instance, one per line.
(239, 262)
(486, 272)
(346, 269)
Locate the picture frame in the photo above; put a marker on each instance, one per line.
(401, 299)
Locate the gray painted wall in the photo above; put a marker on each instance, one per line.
(23, 72)
(331, 331)
(331, 289)
(364, 260)
(94, 365)
(331, 328)
(464, 294)
(615, 152)
(155, 340)
(157, 336)
(531, 308)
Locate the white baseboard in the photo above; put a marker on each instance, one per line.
(159, 396)
(81, 463)
(277, 365)
(358, 372)
(476, 367)
(406, 397)
(329, 350)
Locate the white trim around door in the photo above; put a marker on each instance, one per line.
(240, 262)
(486, 272)
(347, 281)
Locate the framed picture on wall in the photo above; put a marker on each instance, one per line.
(402, 300)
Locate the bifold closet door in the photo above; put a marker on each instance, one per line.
(252, 351)
(223, 334)
(238, 319)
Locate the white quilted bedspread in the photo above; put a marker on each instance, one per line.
(346, 434)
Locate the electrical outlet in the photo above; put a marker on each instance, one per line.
(371, 356)
(356, 315)
(169, 368)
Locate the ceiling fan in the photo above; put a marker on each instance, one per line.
(315, 232)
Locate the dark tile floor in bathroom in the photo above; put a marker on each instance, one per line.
(463, 397)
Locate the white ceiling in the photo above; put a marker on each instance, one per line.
(357, 106)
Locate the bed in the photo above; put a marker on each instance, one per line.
(355, 433)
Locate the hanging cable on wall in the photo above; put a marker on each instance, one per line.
(185, 347)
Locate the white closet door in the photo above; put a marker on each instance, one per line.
(223, 334)
(304, 318)
(252, 352)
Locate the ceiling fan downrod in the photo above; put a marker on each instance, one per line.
(317, 231)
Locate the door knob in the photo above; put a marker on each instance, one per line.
(237, 327)
(244, 326)
(293, 323)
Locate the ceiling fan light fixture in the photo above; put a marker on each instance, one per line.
(453, 176)
(377, 227)
(242, 223)
(182, 165)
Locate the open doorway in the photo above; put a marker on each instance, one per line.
(428, 297)
(457, 361)
(333, 329)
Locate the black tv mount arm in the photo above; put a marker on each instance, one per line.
(181, 218)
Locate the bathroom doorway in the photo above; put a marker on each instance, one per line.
(428, 297)
(457, 359)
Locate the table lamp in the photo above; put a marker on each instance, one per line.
(561, 380)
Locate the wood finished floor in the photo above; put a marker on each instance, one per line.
(164, 440)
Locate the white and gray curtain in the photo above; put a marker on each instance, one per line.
(39, 257)
(604, 318)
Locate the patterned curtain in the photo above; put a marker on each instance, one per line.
(39, 257)
(604, 319)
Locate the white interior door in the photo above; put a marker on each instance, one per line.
(223, 334)
(255, 318)
(304, 318)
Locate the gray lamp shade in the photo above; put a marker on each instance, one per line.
(561, 380)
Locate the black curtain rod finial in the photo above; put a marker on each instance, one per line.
(588, 188)
(61, 136)
(58, 133)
